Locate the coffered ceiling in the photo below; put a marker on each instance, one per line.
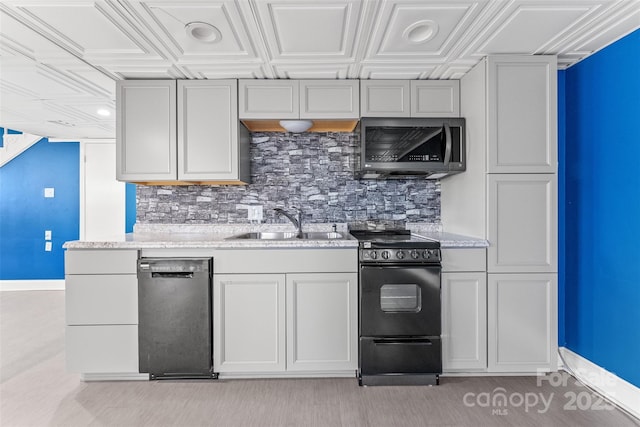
(60, 59)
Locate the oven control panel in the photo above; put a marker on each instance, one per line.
(400, 255)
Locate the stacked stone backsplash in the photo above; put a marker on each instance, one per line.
(314, 171)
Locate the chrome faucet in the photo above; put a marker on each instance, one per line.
(296, 222)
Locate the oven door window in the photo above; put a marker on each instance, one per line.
(400, 298)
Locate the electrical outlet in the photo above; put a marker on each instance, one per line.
(49, 192)
(254, 213)
(47, 234)
(48, 246)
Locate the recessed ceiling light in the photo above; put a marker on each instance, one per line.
(103, 112)
(203, 32)
(420, 32)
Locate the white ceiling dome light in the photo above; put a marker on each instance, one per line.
(296, 126)
(420, 32)
(203, 32)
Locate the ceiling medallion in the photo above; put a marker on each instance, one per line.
(203, 32)
(420, 32)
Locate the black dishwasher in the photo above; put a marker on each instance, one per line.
(175, 329)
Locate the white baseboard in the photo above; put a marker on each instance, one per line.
(32, 285)
(612, 387)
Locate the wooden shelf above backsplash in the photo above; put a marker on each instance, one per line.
(318, 125)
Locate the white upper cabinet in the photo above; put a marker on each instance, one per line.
(435, 98)
(185, 130)
(268, 99)
(299, 99)
(410, 98)
(208, 130)
(522, 111)
(146, 130)
(385, 98)
(522, 226)
(329, 99)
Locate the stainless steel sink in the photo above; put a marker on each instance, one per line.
(322, 235)
(288, 235)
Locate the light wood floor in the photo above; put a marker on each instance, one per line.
(35, 390)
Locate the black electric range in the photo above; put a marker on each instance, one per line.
(399, 308)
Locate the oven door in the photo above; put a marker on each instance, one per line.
(399, 300)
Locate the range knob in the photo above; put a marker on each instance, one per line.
(385, 254)
(400, 254)
(426, 254)
(415, 254)
(373, 255)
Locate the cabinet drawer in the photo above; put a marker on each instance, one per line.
(100, 261)
(464, 260)
(286, 261)
(110, 299)
(391, 356)
(102, 349)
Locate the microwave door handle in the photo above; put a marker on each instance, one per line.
(447, 150)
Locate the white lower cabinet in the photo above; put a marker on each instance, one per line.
(464, 322)
(522, 322)
(103, 349)
(249, 324)
(101, 299)
(285, 322)
(464, 309)
(322, 321)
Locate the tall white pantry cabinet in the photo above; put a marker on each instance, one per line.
(508, 195)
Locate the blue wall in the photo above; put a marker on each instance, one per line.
(561, 206)
(130, 207)
(601, 200)
(25, 213)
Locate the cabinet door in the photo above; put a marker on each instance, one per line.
(249, 325)
(435, 98)
(101, 299)
(329, 99)
(522, 125)
(522, 223)
(464, 321)
(268, 99)
(102, 348)
(146, 130)
(322, 322)
(385, 98)
(207, 130)
(522, 322)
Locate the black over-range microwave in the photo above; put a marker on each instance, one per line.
(399, 147)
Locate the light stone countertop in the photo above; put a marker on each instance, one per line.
(219, 236)
(447, 240)
(167, 236)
